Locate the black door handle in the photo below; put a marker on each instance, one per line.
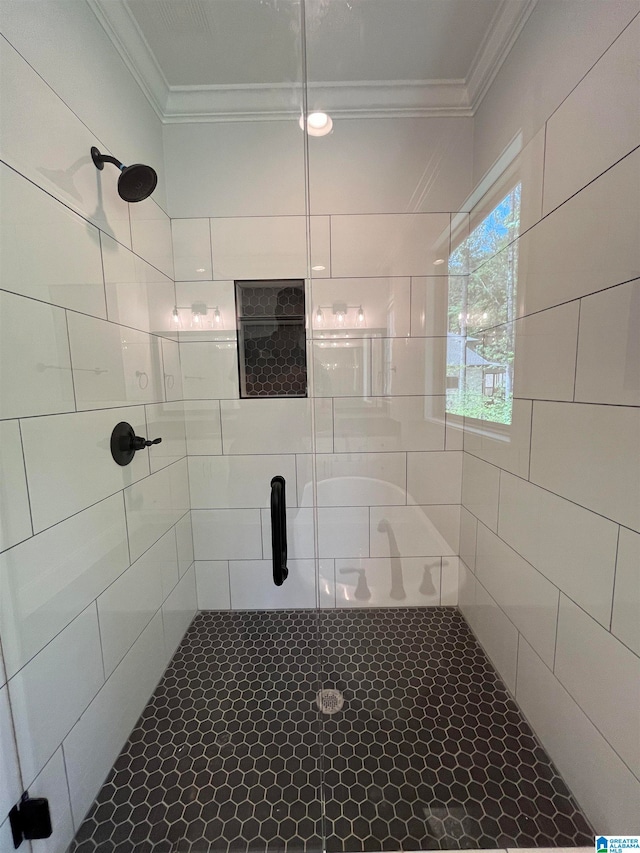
(279, 530)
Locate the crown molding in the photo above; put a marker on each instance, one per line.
(265, 102)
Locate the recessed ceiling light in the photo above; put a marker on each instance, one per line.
(437, 262)
(318, 123)
(318, 267)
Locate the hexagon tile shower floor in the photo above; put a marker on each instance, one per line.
(428, 751)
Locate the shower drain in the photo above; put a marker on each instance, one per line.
(329, 701)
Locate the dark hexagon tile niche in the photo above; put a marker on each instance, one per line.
(428, 752)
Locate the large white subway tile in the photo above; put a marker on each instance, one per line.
(528, 599)
(203, 428)
(342, 368)
(434, 478)
(401, 244)
(48, 252)
(571, 546)
(300, 533)
(609, 347)
(320, 239)
(626, 600)
(389, 423)
(326, 584)
(48, 580)
(151, 235)
(129, 604)
(266, 426)
(172, 370)
(51, 783)
(602, 127)
(545, 354)
(360, 307)
(588, 655)
(576, 747)
(97, 738)
(391, 582)
(259, 247)
(358, 479)
(588, 454)
(154, 505)
(409, 366)
(69, 465)
(252, 586)
(35, 345)
(429, 305)
(480, 489)
(206, 311)
(113, 365)
(166, 421)
(184, 543)
(227, 534)
(15, 524)
(503, 445)
(497, 634)
(449, 581)
(191, 249)
(343, 532)
(209, 370)
(563, 257)
(468, 533)
(414, 531)
(10, 780)
(179, 610)
(138, 295)
(239, 482)
(467, 595)
(52, 690)
(323, 425)
(66, 171)
(212, 581)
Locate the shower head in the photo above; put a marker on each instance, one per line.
(135, 183)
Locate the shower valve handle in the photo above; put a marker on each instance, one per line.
(138, 443)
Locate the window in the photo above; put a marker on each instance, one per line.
(271, 338)
(483, 273)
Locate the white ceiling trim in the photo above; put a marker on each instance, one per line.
(264, 102)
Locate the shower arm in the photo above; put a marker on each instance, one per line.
(100, 159)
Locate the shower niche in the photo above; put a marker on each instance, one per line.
(272, 357)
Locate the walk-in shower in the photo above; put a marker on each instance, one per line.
(320, 524)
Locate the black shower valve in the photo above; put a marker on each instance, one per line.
(125, 443)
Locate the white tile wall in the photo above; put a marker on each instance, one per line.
(577, 747)
(343, 531)
(172, 370)
(408, 366)
(527, 597)
(74, 450)
(497, 633)
(545, 346)
(227, 534)
(51, 783)
(358, 479)
(215, 296)
(184, 543)
(192, 249)
(10, 779)
(166, 421)
(300, 533)
(259, 247)
(385, 304)
(35, 343)
(393, 423)
(391, 582)
(414, 531)
(49, 579)
(504, 445)
(468, 533)
(589, 655)
(252, 586)
(626, 601)
(155, 504)
(434, 478)
(209, 370)
(574, 548)
(609, 347)
(203, 427)
(151, 235)
(212, 581)
(53, 689)
(604, 128)
(16, 516)
(230, 482)
(178, 611)
(48, 251)
(285, 426)
(481, 489)
(585, 453)
(429, 304)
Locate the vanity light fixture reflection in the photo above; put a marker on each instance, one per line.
(318, 123)
(438, 261)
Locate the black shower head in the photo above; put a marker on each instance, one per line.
(135, 183)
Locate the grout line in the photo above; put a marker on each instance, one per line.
(104, 668)
(544, 166)
(555, 642)
(73, 381)
(615, 576)
(104, 277)
(26, 482)
(575, 367)
(528, 477)
(76, 826)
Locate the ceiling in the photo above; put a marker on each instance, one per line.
(230, 59)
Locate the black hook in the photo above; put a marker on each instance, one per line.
(124, 443)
